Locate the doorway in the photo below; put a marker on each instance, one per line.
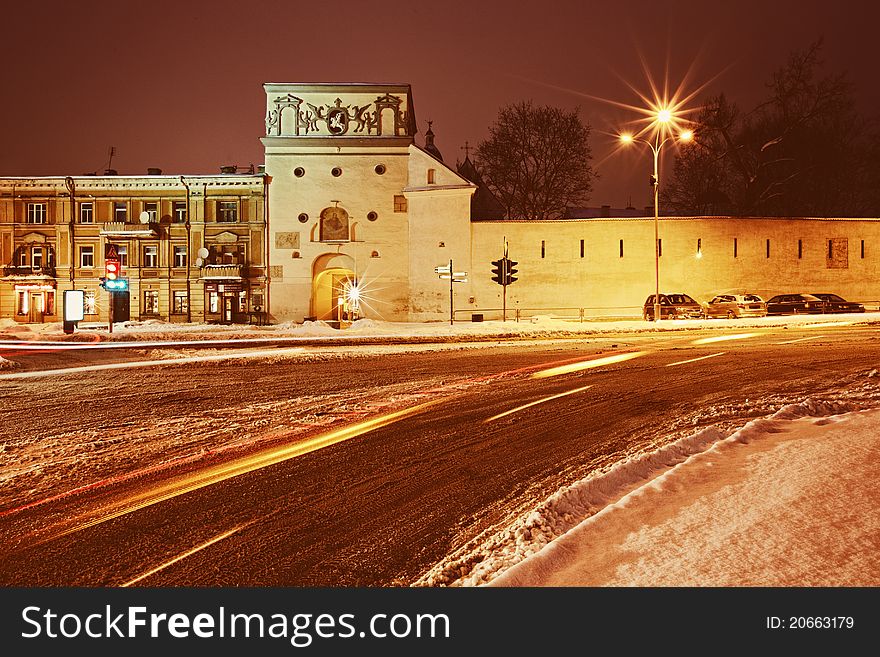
(36, 308)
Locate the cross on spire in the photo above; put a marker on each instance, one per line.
(467, 149)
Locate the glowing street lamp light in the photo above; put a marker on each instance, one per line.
(663, 118)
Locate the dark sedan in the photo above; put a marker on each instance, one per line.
(795, 304)
(837, 304)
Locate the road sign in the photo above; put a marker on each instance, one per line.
(443, 269)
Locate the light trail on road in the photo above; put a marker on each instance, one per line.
(694, 360)
(812, 337)
(535, 403)
(215, 474)
(725, 338)
(150, 363)
(587, 364)
(186, 554)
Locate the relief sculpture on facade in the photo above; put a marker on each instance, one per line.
(337, 118)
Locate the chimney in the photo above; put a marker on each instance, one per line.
(229, 168)
(154, 171)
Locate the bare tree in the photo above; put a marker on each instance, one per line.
(537, 161)
(804, 151)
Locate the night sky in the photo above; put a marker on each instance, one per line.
(178, 85)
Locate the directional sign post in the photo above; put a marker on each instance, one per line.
(447, 273)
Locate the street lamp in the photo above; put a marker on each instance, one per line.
(662, 119)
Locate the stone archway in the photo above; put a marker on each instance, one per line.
(330, 272)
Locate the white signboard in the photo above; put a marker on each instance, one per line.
(74, 305)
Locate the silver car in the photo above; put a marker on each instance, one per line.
(736, 305)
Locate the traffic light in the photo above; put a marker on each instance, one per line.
(111, 269)
(510, 270)
(111, 280)
(498, 270)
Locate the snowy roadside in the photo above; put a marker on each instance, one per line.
(538, 543)
(789, 500)
(369, 329)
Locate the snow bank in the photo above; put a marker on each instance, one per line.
(8, 364)
(568, 507)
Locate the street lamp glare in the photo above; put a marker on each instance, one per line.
(687, 135)
(626, 138)
(664, 115)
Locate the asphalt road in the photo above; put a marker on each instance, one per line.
(413, 451)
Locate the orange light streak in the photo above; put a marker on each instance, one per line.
(588, 364)
(535, 403)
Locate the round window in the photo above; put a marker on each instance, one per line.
(299, 172)
(372, 216)
(380, 169)
(303, 217)
(336, 171)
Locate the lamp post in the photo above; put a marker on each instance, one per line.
(662, 120)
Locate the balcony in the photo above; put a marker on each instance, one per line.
(226, 272)
(126, 229)
(28, 271)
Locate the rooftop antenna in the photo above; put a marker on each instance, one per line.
(110, 161)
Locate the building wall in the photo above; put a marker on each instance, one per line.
(135, 194)
(604, 283)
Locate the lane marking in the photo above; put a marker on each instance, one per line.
(826, 325)
(535, 403)
(215, 474)
(694, 360)
(812, 337)
(588, 364)
(149, 363)
(724, 338)
(186, 554)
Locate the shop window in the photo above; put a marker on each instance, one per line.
(181, 302)
(213, 302)
(50, 302)
(151, 302)
(22, 306)
(89, 305)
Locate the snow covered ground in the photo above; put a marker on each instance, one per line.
(790, 500)
(374, 329)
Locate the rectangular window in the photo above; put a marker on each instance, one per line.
(830, 250)
(122, 250)
(179, 212)
(151, 255)
(768, 248)
(213, 302)
(181, 302)
(699, 247)
(36, 213)
(659, 248)
(50, 302)
(151, 302)
(863, 248)
(22, 305)
(621, 248)
(180, 256)
(37, 257)
(431, 176)
(734, 248)
(87, 257)
(22, 257)
(120, 211)
(86, 213)
(800, 249)
(89, 307)
(582, 248)
(400, 203)
(152, 209)
(227, 211)
(543, 249)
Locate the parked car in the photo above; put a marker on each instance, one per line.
(795, 304)
(673, 306)
(837, 304)
(736, 305)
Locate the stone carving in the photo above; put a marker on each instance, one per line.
(287, 240)
(337, 118)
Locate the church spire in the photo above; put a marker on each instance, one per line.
(429, 143)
